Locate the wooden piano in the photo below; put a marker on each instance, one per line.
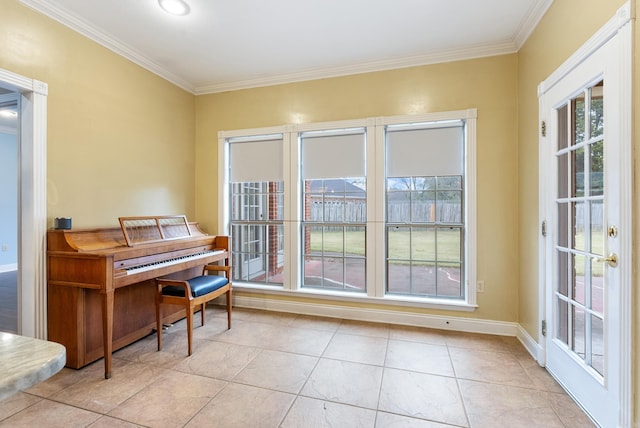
(100, 282)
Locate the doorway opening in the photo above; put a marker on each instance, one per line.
(9, 122)
(31, 191)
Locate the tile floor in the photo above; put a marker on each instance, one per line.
(285, 370)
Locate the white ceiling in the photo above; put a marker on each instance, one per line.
(232, 44)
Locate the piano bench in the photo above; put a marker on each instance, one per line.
(193, 292)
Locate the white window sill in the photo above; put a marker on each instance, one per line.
(391, 300)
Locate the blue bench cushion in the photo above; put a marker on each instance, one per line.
(200, 285)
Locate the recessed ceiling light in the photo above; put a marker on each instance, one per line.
(174, 7)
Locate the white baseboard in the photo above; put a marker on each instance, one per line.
(530, 345)
(471, 325)
(9, 267)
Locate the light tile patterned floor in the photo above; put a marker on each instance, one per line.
(284, 370)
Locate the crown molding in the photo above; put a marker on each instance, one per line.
(531, 21)
(473, 52)
(97, 35)
(73, 22)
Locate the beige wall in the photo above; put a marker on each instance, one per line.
(486, 84)
(565, 27)
(120, 139)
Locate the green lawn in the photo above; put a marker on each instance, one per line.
(421, 245)
(597, 242)
(597, 247)
(354, 242)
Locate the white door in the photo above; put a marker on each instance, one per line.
(252, 241)
(586, 192)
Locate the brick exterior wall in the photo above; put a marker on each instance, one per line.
(307, 216)
(273, 229)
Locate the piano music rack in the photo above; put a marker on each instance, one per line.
(149, 229)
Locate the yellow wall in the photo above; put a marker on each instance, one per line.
(487, 84)
(120, 139)
(565, 27)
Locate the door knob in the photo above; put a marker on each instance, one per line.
(611, 260)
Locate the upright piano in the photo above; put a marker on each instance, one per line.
(101, 288)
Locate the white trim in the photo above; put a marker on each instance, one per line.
(15, 82)
(375, 209)
(626, 258)
(544, 253)
(610, 29)
(291, 161)
(471, 113)
(474, 52)
(471, 210)
(534, 348)
(254, 132)
(32, 298)
(531, 21)
(354, 297)
(223, 184)
(376, 238)
(333, 125)
(470, 325)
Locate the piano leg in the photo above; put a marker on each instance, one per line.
(107, 330)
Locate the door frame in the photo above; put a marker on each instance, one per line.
(32, 194)
(620, 25)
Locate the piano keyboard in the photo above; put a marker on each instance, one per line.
(169, 262)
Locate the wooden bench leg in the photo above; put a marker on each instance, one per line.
(189, 310)
(159, 322)
(229, 309)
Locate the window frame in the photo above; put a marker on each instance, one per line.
(248, 222)
(375, 211)
(356, 137)
(411, 165)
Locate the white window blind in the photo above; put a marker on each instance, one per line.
(420, 152)
(256, 160)
(333, 155)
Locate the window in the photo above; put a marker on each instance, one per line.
(335, 201)
(378, 208)
(256, 194)
(424, 204)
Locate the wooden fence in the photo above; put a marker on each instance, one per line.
(354, 211)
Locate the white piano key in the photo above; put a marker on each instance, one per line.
(151, 266)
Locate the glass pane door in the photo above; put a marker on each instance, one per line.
(579, 248)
